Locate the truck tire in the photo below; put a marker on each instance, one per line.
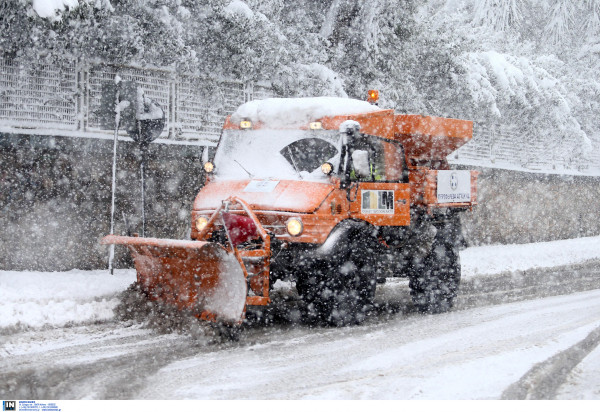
(434, 282)
(349, 294)
(337, 302)
(343, 291)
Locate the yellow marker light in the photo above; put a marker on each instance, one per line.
(327, 168)
(245, 124)
(373, 96)
(209, 167)
(316, 125)
(201, 223)
(294, 226)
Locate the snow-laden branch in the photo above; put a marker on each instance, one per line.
(520, 90)
(53, 9)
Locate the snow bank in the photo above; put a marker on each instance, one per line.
(489, 260)
(57, 298)
(280, 113)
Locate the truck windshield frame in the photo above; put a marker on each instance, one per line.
(276, 154)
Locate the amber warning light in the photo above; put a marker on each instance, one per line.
(373, 96)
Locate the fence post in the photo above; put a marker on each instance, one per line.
(248, 91)
(172, 119)
(493, 142)
(85, 92)
(82, 107)
(78, 95)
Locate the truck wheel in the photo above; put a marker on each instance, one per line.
(347, 301)
(434, 282)
(340, 295)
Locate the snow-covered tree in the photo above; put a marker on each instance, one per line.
(524, 76)
(561, 22)
(502, 15)
(380, 44)
(591, 22)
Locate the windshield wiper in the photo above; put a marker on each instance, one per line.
(250, 175)
(294, 163)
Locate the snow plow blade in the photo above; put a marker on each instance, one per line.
(201, 277)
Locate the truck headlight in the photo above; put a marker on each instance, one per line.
(209, 167)
(327, 168)
(294, 226)
(201, 223)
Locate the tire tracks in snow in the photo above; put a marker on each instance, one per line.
(543, 381)
(115, 378)
(108, 361)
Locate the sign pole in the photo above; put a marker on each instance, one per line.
(111, 254)
(142, 172)
(124, 105)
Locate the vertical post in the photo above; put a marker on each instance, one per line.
(493, 141)
(144, 150)
(248, 91)
(85, 99)
(173, 106)
(79, 95)
(111, 254)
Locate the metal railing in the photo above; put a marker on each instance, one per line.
(38, 95)
(506, 146)
(66, 95)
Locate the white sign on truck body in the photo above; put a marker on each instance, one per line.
(453, 186)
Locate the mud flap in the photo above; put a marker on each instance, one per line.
(201, 277)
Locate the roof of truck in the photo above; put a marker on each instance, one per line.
(280, 113)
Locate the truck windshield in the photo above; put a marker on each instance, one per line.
(276, 154)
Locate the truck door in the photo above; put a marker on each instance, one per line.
(379, 191)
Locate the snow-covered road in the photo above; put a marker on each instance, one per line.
(510, 336)
(471, 354)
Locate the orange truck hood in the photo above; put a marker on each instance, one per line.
(275, 195)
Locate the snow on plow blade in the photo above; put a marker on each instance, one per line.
(201, 277)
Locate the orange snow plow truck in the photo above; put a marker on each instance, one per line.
(334, 194)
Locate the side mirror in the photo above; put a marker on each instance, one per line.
(360, 162)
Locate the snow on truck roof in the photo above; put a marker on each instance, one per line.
(296, 112)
